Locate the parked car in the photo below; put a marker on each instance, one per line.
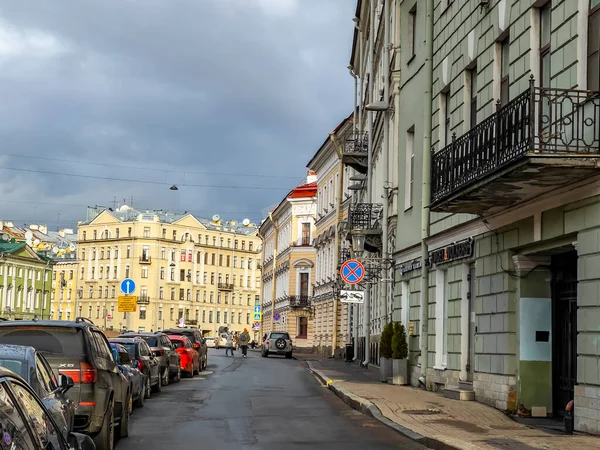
(278, 343)
(26, 422)
(222, 340)
(137, 382)
(197, 341)
(164, 351)
(190, 360)
(80, 350)
(144, 360)
(211, 342)
(35, 370)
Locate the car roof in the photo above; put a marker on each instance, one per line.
(179, 337)
(83, 323)
(141, 333)
(16, 351)
(123, 340)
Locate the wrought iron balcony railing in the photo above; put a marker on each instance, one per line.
(144, 259)
(539, 122)
(366, 216)
(344, 255)
(225, 287)
(143, 300)
(299, 301)
(356, 143)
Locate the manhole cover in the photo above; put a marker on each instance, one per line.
(421, 412)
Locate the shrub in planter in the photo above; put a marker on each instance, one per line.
(399, 355)
(385, 352)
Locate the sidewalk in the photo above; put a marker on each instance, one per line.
(433, 420)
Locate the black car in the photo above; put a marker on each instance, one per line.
(197, 340)
(144, 360)
(80, 350)
(33, 367)
(165, 352)
(26, 424)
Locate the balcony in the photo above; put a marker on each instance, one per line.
(366, 218)
(299, 301)
(344, 256)
(143, 300)
(542, 140)
(144, 259)
(191, 322)
(225, 287)
(356, 150)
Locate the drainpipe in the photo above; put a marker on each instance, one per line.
(386, 152)
(426, 190)
(337, 245)
(354, 129)
(369, 175)
(43, 293)
(274, 287)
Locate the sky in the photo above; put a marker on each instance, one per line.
(105, 101)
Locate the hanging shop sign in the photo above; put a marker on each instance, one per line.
(452, 252)
(416, 265)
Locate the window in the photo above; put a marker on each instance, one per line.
(203, 315)
(235, 244)
(225, 317)
(145, 253)
(129, 232)
(162, 273)
(181, 294)
(306, 233)
(250, 246)
(172, 278)
(212, 278)
(302, 327)
(228, 260)
(117, 233)
(472, 83)
(213, 259)
(142, 313)
(163, 253)
(410, 169)
(593, 52)
(95, 234)
(190, 255)
(218, 316)
(126, 271)
(412, 32)
(84, 235)
(146, 232)
(248, 318)
(445, 111)
(182, 275)
(172, 293)
(504, 70)
(128, 253)
(220, 260)
(235, 261)
(183, 253)
(188, 295)
(210, 317)
(243, 245)
(545, 29)
(145, 272)
(161, 293)
(174, 235)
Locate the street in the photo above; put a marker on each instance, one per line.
(254, 403)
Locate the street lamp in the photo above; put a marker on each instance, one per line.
(358, 242)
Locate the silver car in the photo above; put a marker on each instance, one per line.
(277, 343)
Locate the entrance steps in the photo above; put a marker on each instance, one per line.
(464, 391)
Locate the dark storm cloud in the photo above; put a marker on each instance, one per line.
(166, 87)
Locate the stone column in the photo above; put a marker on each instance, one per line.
(245, 282)
(202, 253)
(119, 265)
(194, 275)
(253, 280)
(89, 268)
(110, 264)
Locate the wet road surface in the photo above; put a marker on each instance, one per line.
(254, 403)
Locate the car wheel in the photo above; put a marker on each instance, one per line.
(148, 391)
(158, 386)
(177, 377)
(264, 354)
(126, 412)
(288, 355)
(139, 403)
(105, 440)
(165, 380)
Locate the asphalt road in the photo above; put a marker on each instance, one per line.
(254, 403)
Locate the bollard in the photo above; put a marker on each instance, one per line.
(569, 417)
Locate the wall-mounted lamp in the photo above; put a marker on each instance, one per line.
(377, 106)
(484, 4)
(358, 242)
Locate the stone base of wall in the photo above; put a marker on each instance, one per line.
(587, 409)
(498, 391)
(437, 380)
(414, 372)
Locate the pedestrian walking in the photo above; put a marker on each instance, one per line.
(244, 340)
(229, 345)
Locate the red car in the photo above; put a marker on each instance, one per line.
(189, 358)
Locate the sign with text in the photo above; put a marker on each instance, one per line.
(451, 252)
(127, 303)
(352, 297)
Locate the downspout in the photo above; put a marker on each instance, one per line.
(386, 156)
(274, 287)
(43, 293)
(337, 246)
(426, 190)
(369, 175)
(352, 308)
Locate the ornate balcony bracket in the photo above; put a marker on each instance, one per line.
(356, 150)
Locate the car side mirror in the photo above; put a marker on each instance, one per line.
(124, 358)
(65, 382)
(78, 441)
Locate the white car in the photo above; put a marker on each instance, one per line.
(212, 342)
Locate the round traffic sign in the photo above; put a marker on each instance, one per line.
(109, 316)
(276, 317)
(352, 271)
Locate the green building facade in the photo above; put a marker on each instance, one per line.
(25, 282)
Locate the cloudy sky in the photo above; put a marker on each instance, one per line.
(105, 99)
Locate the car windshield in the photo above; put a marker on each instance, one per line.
(130, 349)
(280, 336)
(66, 341)
(150, 340)
(178, 344)
(15, 365)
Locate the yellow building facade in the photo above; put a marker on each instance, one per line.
(332, 318)
(205, 272)
(289, 265)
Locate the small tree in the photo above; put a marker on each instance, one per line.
(385, 346)
(399, 344)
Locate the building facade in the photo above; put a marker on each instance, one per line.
(25, 281)
(499, 289)
(205, 272)
(332, 318)
(288, 267)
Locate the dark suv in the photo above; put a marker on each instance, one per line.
(197, 341)
(165, 352)
(80, 350)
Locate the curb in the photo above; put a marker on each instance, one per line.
(366, 407)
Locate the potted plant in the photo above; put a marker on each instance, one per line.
(385, 352)
(399, 355)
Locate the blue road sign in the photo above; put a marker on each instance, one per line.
(352, 271)
(257, 309)
(276, 317)
(257, 317)
(128, 286)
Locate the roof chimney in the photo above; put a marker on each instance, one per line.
(311, 177)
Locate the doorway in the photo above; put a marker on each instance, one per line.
(472, 325)
(564, 330)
